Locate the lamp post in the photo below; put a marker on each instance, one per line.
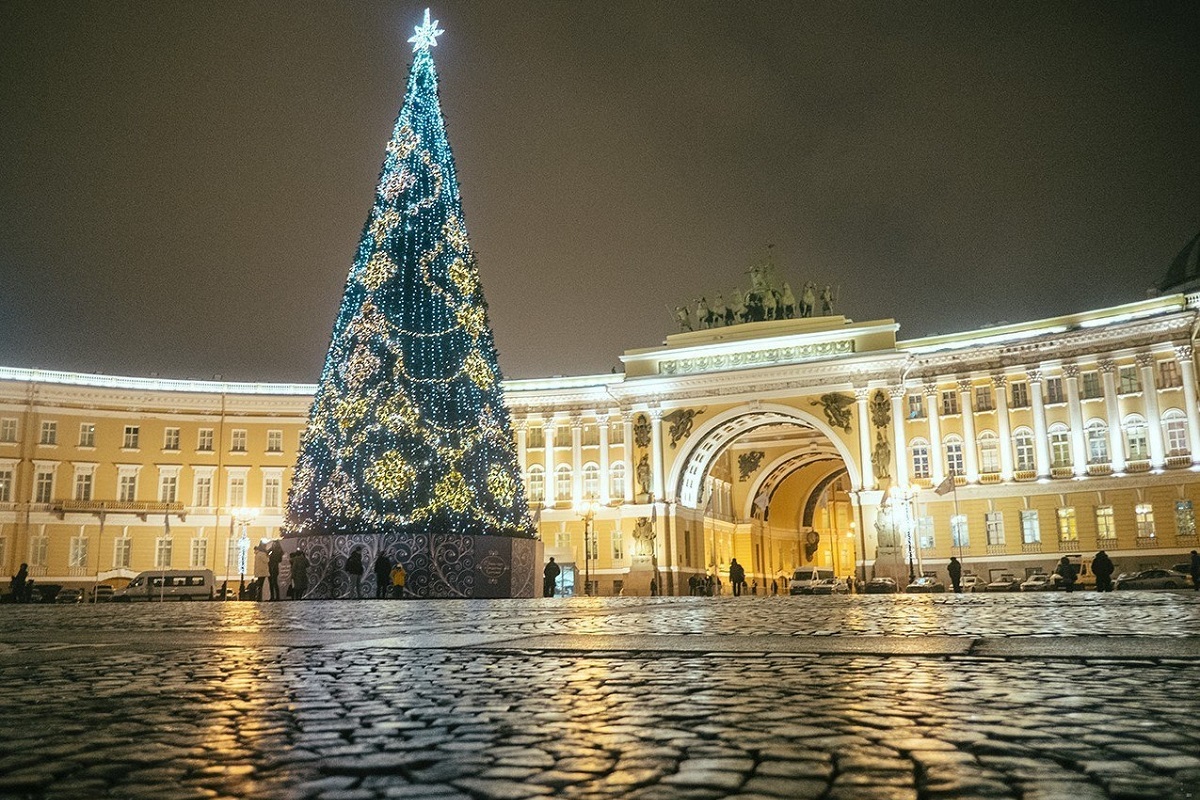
(243, 516)
(587, 510)
(898, 495)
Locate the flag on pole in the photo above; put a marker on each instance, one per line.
(946, 486)
(761, 502)
(653, 512)
(166, 524)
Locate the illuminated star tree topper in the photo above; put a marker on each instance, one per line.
(426, 34)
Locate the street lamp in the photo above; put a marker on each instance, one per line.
(898, 495)
(587, 510)
(243, 516)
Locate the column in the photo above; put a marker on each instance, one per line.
(605, 482)
(937, 465)
(1187, 371)
(627, 452)
(656, 439)
(1041, 439)
(864, 438)
(1078, 446)
(970, 451)
(900, 446)
(1112, 409)
(1003, 426)
(1158, 451)
(522, 427)
(548, 461)
(576, 460)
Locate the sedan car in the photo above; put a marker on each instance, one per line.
(971, 583)
(69, 596)
(1005, 583)
(1039, 582)
(831, 586)
(880, 586)
(1153, 579)
(925, 585)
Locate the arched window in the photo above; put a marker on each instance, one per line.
(1023, 447)
(920, 458)
(1097, 441)
(1060, 445)
(536, 484)
(1176, 430)
(616, 481)
(989, 452)
(562, 483)
(953, 446)
(1137, 446)
(591, 481)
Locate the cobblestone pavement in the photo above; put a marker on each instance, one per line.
(846, 698)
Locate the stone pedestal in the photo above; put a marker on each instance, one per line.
(637, 581)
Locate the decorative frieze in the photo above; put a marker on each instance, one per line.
(794, 354)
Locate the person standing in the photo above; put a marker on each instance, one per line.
(19, 580)
(1195, 571)
(399, 578)
(550, 578)
(274, 559)
(1066, 571)
(1102, 568)
(955, 570)
(299, 563)
(737, 576)
(383, 576)
(262, 569)
(354, 568)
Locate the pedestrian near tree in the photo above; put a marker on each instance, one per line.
(737, 577)
(955, 570)
(1102, 568)
(399, 578)
(550, 578)
(354, 568)
(19, 580)
(299, 564)
(274, 559)
(383, 576)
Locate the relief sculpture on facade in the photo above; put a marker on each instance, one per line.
(837, 409)
(641, 431)
(681, 421)
(748, 463)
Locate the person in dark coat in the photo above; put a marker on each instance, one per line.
(1066, 571)
(299, 563)
(737, 576)
(383, 576)
(1102, 568)
(354, 568)
(274, 559)
(1195, 571)
(19, 580)
(550, 578)
(955, 570)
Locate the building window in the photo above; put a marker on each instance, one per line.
(1136, 443)
(39, 546)
(77, 556)
(616, 483)
(1168, 374)
(272, 491)
(162, 553)
(237, 491)
(993, 522)
(1091, 385)
(562, 483)
(989, 452)
(916, 406)
(87, 434)
(920, 458)
(1129, 381)
(959, 535)
(1060, 445)
(204, 440)
(925, 538)
(1023, 445)
(1106, 526)
(83, 485)
(3, 550)
(127, 487)
(168, 487)
(8, 430)
(132, 434)
(1145, 520)
(1185, 517)
(618, 546)
(535, 438)
(591, 481)
(1175, 428)
(1068, 530)
(537, 484)
(239, 441)
(199, 553)
(49, 432)
(122, 552)
(274, 441)
(950, 402)
(202, 490)
(1054, 390)
(983, 398)
(616, 433)
(171, 439)
(954, 455)
(43, 485)
(1020, 394)
(590, 436)
(1097, 442)
(1031, 531)
(6, 487)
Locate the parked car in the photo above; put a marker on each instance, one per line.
(925, 585)
(805, 578)
(1005, 583)
(831, 586)
(1153, 579)
(881, 586)
(1038, 582)
(69, 596)
(102, 593)
(970, 583)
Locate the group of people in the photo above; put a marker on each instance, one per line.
(390, 577)
(22, 586)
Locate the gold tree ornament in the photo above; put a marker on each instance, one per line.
(404, 142)
(477, 369)
(471, 318)
(361, 367)
(391, 475)
(398, 414)
(383, 225)
(338, 495)
(452, 491)
(501, 484)
(455, 234)
(464, 276)
(397, 184)
(350, 411)
(378, 271)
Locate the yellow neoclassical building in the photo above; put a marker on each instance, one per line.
(781, 443)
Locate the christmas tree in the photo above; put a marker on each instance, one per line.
(408, 431)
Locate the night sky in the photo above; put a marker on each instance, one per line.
(183, 184)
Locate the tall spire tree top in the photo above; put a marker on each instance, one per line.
(426, 34)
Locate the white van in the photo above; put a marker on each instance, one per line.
(805, 578)
(169, 584)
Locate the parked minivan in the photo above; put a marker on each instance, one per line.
(805, 578)
(168, 584)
